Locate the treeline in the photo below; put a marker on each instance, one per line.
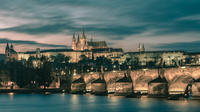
(25, 75)
(36, 72)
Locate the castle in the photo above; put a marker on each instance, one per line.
(80, 46)
(93, 49)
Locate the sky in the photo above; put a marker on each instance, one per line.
(158, 24)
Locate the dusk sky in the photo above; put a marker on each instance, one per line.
(159, 24)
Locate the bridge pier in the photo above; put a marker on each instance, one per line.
(158, 87)
(78, 84)
(196, 88)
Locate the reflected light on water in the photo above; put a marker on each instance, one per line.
(114, 100)
(92, 98)
(144, 102)
(74, 99)
(181, 105)
(179, 102)
(62, 96)
(11, 95)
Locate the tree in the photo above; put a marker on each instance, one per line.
(103, 61)
(45, 77)
(83, 58)
(67, 59)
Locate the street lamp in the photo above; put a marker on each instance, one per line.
(74, 72)
(114, 66)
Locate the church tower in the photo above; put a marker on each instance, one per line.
(83, 41)
(7, 50)
(10, 53)
(74, 42)
(141, 48)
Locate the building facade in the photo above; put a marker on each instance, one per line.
(154, 58)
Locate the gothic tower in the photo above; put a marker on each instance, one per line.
(83, 41)
(7, 50)
(141, 48)
(74, 42)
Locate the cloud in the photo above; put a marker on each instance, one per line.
(190, 18)
(193, 46)
(110, 20)
(21, 42)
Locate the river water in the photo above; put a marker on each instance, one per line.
(89, 103)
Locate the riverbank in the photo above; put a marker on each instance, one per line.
(29, 91)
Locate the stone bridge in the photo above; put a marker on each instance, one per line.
(177, 78)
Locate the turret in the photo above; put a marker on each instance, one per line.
(11, 46)
(83, 34)
(91, 40)
(83, 41)
(78, 39)
(7, 50)
(141, 48)
(74, 42)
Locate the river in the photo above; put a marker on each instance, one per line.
(89, 103)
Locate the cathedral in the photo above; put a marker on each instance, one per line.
(81, 43)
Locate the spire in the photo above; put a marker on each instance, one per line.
(142, 46)
(83, 33)
(11, 46)
(74, 38)
(139, 47)
(7, 46)
(92, 36)
(143, 49)
(78, 39)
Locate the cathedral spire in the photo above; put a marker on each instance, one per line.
(11, 46)
(7, 46)
(74, 38)
(91, 38)
(139, 47)
(83, 33)
(78, 39)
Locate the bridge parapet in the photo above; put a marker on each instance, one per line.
(113, 76)
(171, 73)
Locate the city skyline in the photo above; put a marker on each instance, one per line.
(160, 25)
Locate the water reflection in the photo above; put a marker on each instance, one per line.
(114, 100)
(11, 95)
(74, 99)
(183, 105)
(144, 103)
(90, 103)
